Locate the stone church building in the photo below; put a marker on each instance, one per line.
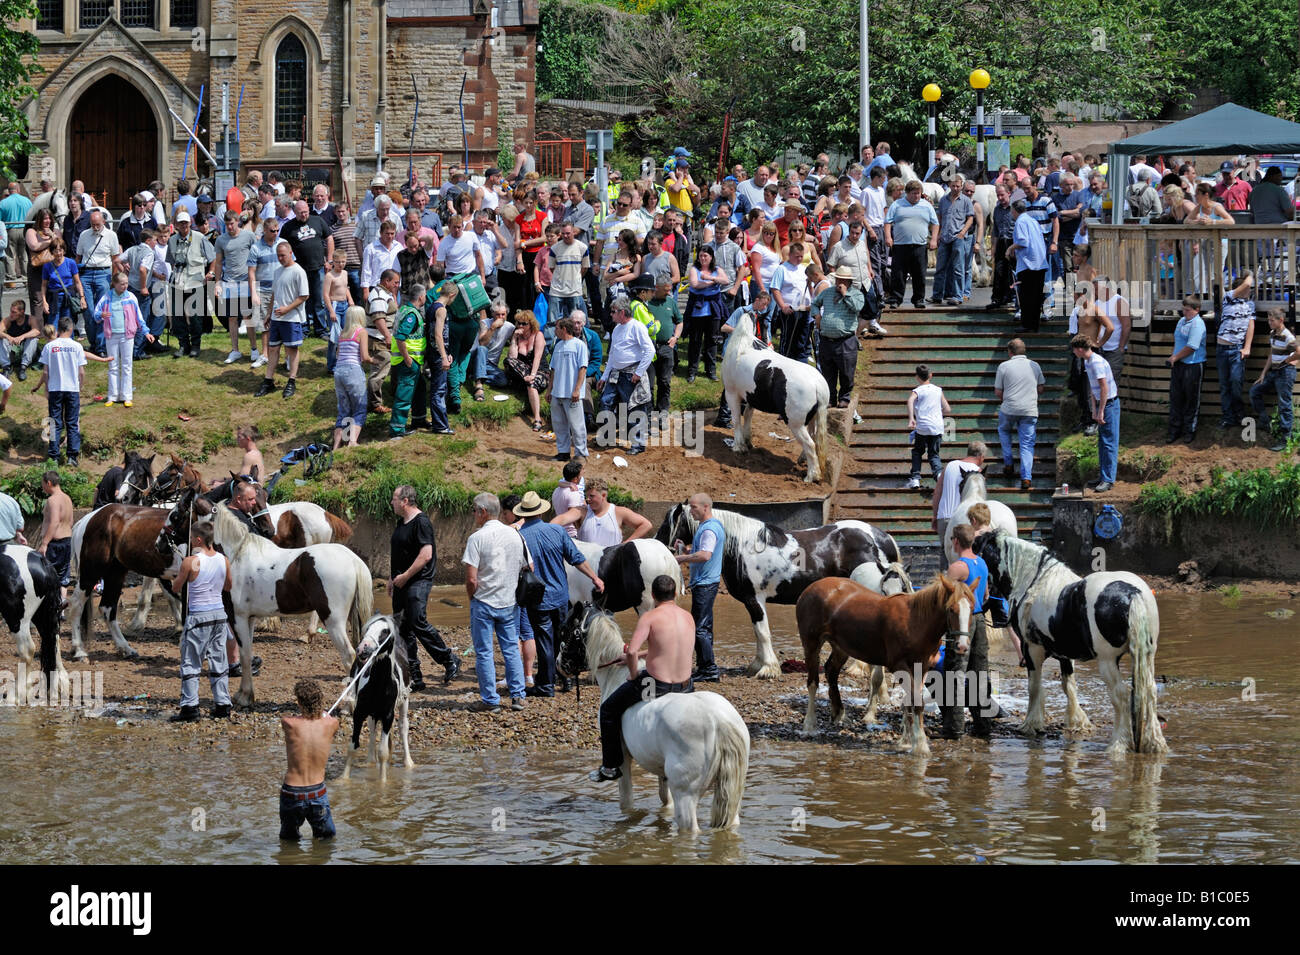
(122, 80)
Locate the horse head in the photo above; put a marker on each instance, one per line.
(956, 601)
(972, 486)
(571, 657)
(375, 635)
(742, 335)
(991, 547)
(171, 480)
(675, 526)
(137, 478)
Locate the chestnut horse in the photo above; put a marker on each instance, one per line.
(901, 633)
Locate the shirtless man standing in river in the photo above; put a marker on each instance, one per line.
(56, 529)
(668, 632)
(307, 741)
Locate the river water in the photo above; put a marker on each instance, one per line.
(85, 792)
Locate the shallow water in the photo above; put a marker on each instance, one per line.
(87, 792)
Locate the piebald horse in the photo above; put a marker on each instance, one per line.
(902, 633)
(974, 491)
(691, 741)
(1102, 616)
(762, 563)
(792, 390)
(125, 483)
(328, 579)
(382, 695)
(627, 571)
(29, 594)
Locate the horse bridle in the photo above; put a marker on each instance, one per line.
(144, 491)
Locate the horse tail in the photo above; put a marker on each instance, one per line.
(731, 764)
(822, 438)
(1143, 632)
(363, 601)
(340, 530)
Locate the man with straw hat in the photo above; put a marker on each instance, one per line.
(551, 547)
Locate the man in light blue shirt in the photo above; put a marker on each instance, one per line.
(13, 209)
(1186, 365)
(910, 226)
(1031, 266)
(568, 387)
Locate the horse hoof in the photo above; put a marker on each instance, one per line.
(132, 655)
(81, 656)
(764, 671)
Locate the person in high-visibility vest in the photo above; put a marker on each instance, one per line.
(408, 358)
(642, 287)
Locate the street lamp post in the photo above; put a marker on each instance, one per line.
(931, 94)
(864, 76)
(979, 82)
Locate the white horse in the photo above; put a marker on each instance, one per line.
(326, 578)
(1062, 615)
(627, 570)
(691, 741)
(793, 390)
(974, 491)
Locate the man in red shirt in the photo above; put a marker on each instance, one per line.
(1234, 193)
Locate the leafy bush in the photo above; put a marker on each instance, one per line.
(1267, 497)
(24, 486)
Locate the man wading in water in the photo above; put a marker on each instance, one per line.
(668, 632)
(307, 745)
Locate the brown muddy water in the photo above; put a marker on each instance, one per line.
(86, 792)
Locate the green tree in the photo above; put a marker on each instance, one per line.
(17, 50)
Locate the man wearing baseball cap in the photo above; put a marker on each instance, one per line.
(683, 193)
(189, 255)
(1234, 193)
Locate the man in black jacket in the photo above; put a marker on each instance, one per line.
(412, 559)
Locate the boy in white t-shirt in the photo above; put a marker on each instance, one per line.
(64, 361)
(926, 408)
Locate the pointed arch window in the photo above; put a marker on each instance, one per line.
(290, 89)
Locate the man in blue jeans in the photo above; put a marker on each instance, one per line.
(1278, 375)
(956, 223)
(64, 363)
(1232, 347)
(1018, 383)
(705, 560)
(494, 555)
(1105, 409)
(551, 548)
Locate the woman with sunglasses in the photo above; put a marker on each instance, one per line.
(764, 259)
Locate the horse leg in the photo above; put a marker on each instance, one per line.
(740, 437)
(625, 785)
(337, 625)
(1076, 719)
(353, 745)
(143, 604)
(1122, 736)
(878, 694)
(385, 751)
(1034, 720)
(371, 726)
(78, 605)
(405, 728)
(243, 697)
(665, 797)
(685, 803)
(809, 454)
(108, 609)
(174, 602)
(914, 715)
(833, 667)
(765, 665)
(812, 660)
(26, 645)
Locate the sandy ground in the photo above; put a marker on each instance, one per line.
(139, 696)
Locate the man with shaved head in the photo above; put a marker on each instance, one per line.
(705, 560)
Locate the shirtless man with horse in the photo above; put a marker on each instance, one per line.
(668, 633)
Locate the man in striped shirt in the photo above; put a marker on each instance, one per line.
(1277, 375)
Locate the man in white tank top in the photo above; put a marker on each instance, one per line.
(207, 575)
(603, 522)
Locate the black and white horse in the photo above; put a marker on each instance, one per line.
(761, 563)
(792, 390)
(1102, 616)
(29, 594)
(382, 694)
(627, 570)
(126, 483)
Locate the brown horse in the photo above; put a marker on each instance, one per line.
(115, 539)
(901, 633)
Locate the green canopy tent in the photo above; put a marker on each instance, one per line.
(1225, 130)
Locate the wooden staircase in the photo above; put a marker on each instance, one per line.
(963, 351)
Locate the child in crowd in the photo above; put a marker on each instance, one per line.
(337, 297)
(926, 408)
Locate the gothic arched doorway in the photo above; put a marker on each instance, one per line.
(113, 141)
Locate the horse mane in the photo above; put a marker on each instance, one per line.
(1019, 552)
(233, 536)
(940, 596)
(968, 480)
(897, 567)
(604, 639)
(742, 333)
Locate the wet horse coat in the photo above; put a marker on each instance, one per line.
(29, 594)
(627, 570)
(761, 563)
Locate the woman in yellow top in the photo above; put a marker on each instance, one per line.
(682, 190)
